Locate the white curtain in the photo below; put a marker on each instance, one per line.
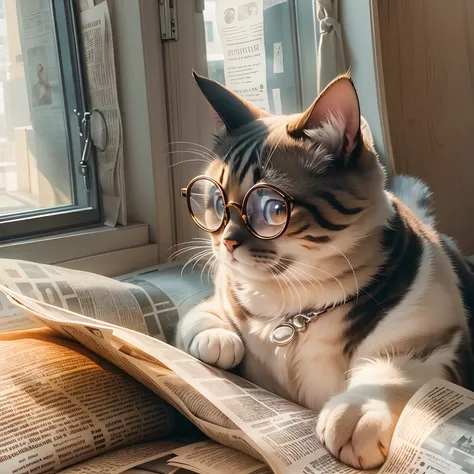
(331, 60)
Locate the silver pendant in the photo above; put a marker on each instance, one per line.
(285, 332)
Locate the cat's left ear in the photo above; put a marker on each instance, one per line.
(338, 101)
(234, 111)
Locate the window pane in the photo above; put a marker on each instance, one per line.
(35, 165)
(255, 51)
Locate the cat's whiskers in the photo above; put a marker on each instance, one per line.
(359, 290)
(308, 277)
(212, 269)
(296, 291)
(197, 160)
(285, 278)
(296, 277)
(200, 258)
(275, 277)
(203, 158)
(192, 160)
(203, 154)
(192, 241)
(279, 274)
(209, 152)
(209, 261)
(352, 269)
(200, 153)
(182, 251)
(197, 257)
(295, 262)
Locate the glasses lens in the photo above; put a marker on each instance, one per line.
(207, 204)
(267, 212)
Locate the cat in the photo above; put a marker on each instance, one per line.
(328, 236)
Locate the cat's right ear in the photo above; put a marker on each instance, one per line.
(234, 111)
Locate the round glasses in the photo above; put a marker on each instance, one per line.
(265, 209)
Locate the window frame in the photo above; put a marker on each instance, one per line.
(86, 206)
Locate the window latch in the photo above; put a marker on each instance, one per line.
(84, 166)
(84, 170)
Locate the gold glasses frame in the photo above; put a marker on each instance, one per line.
(186, 192)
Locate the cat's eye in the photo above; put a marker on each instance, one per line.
(274, 212)
(219, 205)
(265, 209)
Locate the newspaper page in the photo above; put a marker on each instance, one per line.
(98, 52)
(435, 433)
(153, 453)
(12, 318)
(61, 404)
(164, 382)
(155, 376)
(166, 293)
(169, 456)
(47, 140)
(212, 458)
(277, 431)
(240, 25)
(150, 301)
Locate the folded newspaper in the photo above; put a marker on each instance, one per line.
(90, 384)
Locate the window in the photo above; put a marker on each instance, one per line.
(259, 50)
(209, 26)
(41, 188)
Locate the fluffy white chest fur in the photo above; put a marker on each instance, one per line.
(313, 367)
(308, 371)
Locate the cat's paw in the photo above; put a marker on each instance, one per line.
(219, 347)
(357, 428)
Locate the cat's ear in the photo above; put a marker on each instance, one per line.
(338, 101)
(234, 111)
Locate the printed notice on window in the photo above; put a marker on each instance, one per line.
(45, 138)
(240, 24)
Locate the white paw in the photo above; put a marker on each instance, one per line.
(357, 428)
(218, 347)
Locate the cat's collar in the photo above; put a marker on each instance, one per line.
(286, 332)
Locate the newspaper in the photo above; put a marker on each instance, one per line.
(256, 422)
(149, 301)
(61, 404)
(435, 433)
(432, 435)
(98, 53)
(240, 25)
(171, 456)
(153, 454)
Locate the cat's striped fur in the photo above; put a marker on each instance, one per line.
(408, 290)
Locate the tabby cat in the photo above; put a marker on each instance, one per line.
(330, 290)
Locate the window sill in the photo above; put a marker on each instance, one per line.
(105, 250)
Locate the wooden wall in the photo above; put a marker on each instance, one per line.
(427, 52)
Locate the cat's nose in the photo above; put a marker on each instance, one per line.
(231, 245)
